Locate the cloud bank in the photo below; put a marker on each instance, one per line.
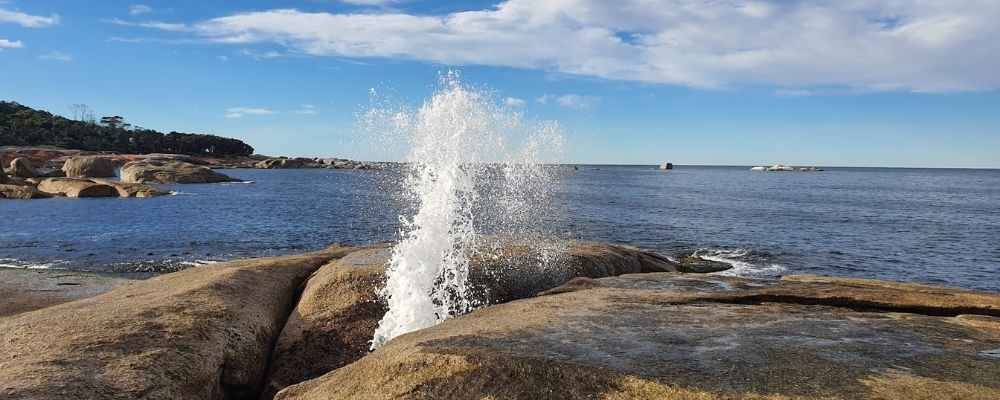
(912, 45)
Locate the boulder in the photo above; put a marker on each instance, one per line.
(170, 171)
(132, 189)
(201, 333)
(21, 167)
(673, 336)
(89, 167)
(74, 187)
(20, 192)
(280, 163)
(335, 320)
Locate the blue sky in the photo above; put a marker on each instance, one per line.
(866, 83)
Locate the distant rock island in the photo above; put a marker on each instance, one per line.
(40, 172)
(785, 168)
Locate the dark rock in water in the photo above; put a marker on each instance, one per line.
(673, 336)
(695, 264)
(170, 171)
(90, 167)
(71, 187)
(21, 167)
(335, 320)
(202, 333)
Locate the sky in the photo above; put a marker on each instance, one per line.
(909, 83)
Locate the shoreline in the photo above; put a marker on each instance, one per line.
(603, 323)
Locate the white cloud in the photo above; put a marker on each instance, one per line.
(574, 101)
(240, 112)
(261, 55)
(514, 102)
(307, 109)
(138, 9)
(867, 44)
(56, 56)
(163, 26)
(222, 58)
(7, 44)
(578, 102)
(28, 20)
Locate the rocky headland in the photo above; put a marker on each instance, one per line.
(606, 321)
(42, 172)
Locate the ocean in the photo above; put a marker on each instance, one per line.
(938, 226)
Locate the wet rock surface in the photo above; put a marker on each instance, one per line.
(695, 264)
(663, 335)
(24, 290)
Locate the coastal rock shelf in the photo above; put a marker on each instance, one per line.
(670, 336)
(605, 321)
(336, 318)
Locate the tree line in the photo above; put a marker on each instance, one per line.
(24, 126)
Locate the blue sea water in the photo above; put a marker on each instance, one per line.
(939, 226)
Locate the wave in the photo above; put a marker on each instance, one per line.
(198, 263)
(18, 264)
(742, 267)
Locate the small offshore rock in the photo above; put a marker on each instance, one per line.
(698, 265)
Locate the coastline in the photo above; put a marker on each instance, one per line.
(298, 327)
